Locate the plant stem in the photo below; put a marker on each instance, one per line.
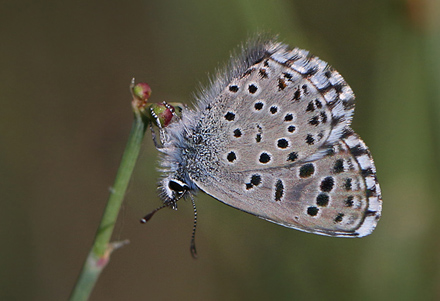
(99, 254)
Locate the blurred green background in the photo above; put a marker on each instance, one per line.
(65, 116)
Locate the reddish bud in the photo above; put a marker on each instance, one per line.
(160, 114)
(141, 91)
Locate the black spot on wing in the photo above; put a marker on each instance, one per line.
(231, 157)
(312, 211)
(237, 133)
(338, 167)
(233, 88)
(279, 190)
(306, 170)
(288, 117)
(349, 201)
(296, 95)
(256, 180)
(263, 73)
(292, 156)
(309, 139)
(230, 116)
(282, 143)
(264, 158)
(339, 217)
(252, 88)
(322, 199)
(348, 184)
(281, 84)
(358, 150)
(314, 120)
(327, 184)
(258, 106)
(258, 137)
(367, 172)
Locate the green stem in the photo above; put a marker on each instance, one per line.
(99, 254)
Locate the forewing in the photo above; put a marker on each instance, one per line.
(337, 195)
(288, 107)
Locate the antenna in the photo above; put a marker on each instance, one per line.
(193, 236)
(147, 217)
(171, 203)
(192, 248)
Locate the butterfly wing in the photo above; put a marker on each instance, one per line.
(271, 137)
(337, 195)
(287, 107)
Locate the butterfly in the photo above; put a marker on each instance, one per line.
(271, 136)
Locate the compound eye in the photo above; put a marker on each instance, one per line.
(177, 186)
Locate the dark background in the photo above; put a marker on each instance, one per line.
(65, 115)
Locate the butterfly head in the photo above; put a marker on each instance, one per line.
(173, 189)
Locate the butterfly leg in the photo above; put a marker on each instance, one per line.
(159, 125)
(171, 108)
(154, 137)
(156, 120)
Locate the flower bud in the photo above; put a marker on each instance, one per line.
(141, 91)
